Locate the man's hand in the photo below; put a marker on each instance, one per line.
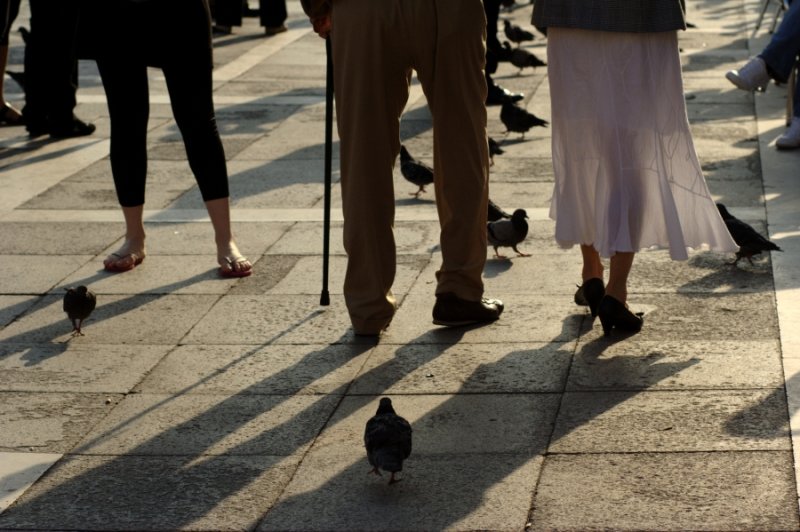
(322, 25)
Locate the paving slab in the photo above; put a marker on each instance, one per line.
(202, 424)
(637, 364)
(666, 491)
(70, 238)
(18, 471)
(529, 367)
(333, 493)
(158, 320)
(307, 369)
(76, 367)
(152, 493)
(671, 421)
(49, 423)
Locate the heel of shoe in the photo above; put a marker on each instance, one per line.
(594, 291)
(606, 321)
(614, 313)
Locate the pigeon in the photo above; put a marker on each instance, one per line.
(415, 171)
(750, 242)
(508, 233)
(515, 33)
(496, 213)
(78, 304)
(387, 438)
(494, 149)
(518, 119)
(522, 58)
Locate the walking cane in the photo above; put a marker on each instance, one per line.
(326, 227)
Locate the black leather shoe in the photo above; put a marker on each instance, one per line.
(613, 313)
(78, 128)
(452, 311)
(590, 293)
(498, 96)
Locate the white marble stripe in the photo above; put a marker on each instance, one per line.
(18, 471)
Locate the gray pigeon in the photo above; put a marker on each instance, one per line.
(518, 119)
(415, 171)
(387, 438)
(522, 58)
(749, 240)
(78, 304)
(515, 33)
(508, 233)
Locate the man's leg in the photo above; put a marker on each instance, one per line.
(371, 87)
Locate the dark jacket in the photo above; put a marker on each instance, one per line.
(638, 16)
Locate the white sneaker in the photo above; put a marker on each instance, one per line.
(791, 137)
(752, 76)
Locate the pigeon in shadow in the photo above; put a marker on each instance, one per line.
(508, 233)
(78, 304)
(415, 171)
(749, 240)
(522, 58)
(387, 438)
(518, 119)
(494, 149)
(496, 213)
(515, 33)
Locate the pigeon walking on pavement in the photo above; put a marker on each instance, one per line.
(749, 240)
(508, 233)
(518, 119)
(78, 304)
(522, 58)
(387, 438)
(515, 33)
(415, 171)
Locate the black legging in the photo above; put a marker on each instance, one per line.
(177, 40)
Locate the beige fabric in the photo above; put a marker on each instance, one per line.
(375, 46)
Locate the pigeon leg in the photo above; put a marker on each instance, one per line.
(393, 480)
(519, 253)
(76, 328)
(375, 471)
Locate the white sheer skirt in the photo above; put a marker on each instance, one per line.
(627, 175)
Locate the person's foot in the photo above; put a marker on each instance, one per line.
(791, 137)
(452, 311)
(10, 116)
(274, 30)
(76, 128)
(753, 76)
(497, 95)
(126, 258)
(232, 263)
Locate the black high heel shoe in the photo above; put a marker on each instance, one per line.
(590, 293)
(613, 313)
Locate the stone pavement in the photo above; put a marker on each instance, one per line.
(199, 403)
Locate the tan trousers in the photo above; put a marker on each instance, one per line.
(376, 44)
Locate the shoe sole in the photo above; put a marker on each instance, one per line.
(461, 323)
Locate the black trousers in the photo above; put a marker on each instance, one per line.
(178, 41)
(51, 64)
(229, 12)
